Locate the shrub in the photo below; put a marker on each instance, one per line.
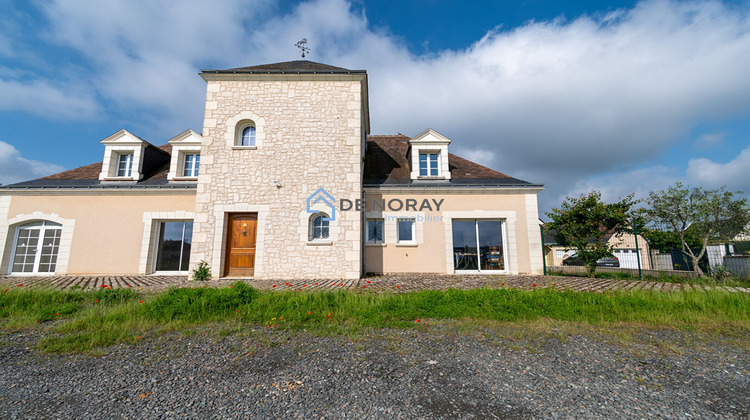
(202, 272)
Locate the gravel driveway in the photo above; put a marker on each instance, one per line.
(502, 372)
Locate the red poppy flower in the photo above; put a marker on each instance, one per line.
(502, 284)
(329, 315)
(20, 285)
(533, 285)
(57, 314)
(96, 300)
(275, 326)
(267, 327)
(109, 287)
(274, 285)
(300, 290)
(231, 287)
(238, 311)
(341, 284)
(287, 283)
(127, 285)
(418, 320)
(139, 337)
(316, 284)
(304, 285)
(554, 284)
(368, 281)
(365, 286)
(281, 317)
(309, 313)
(140, 302)
(398, 287)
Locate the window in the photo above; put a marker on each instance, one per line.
(173, 246)
(125, 164)
(319, 227)
(247, 137)
(375, 231)
(37, 244)
(190, 168)
(428, 164)
(406, 230)
(478, 245)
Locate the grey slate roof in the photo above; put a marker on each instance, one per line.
(288, 67)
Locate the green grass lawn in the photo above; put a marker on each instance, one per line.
(77, 320)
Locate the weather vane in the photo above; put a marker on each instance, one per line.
(302, 45)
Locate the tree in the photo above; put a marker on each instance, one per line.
(708, 215)
(585, 223)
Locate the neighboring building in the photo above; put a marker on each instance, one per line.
(623, 247)
(272, 188)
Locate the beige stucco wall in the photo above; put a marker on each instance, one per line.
(102, 231)
(310, 134)
(433, 252)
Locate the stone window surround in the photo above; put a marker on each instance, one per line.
(390, 227)
(305, 223)
(509, 236)
(237, 123)
(8, 229)
(111, 160)
(147, 263)
(185, 143)
(430, 141)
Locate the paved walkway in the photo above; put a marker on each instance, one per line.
(393, 283)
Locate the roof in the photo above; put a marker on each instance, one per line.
(88, 176)
(387, 164)
(293, 67)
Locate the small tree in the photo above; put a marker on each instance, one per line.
(585, 223)
(708, 215)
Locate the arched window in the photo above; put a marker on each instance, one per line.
(246, 135)
(319, 227)
(36, 247)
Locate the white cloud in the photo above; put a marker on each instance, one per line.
(15, 168)
(559, 102)
(44, 99)
(735, 174)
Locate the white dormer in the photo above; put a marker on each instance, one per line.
(123, 157)
(429, 156)
(186, 156)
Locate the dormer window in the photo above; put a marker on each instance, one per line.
(248, 136)
(186, 156)
(429, 156)
(125, 165)
(190, 167)
(428, 164)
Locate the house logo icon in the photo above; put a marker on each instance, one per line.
(322, 195)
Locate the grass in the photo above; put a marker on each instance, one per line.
(663, 277)
(88, 320)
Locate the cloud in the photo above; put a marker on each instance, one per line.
(562, 102)
(735, 174)
(42, 98)
(710, 140)
(15, 168)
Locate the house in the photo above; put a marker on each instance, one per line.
(623, 247)
(284, 182)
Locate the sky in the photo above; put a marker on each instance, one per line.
(620, 97)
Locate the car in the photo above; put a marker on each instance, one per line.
(608, 261)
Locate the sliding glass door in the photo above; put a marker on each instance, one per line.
(173, 246)
(478, 245)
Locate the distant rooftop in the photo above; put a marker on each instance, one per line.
(289, 67)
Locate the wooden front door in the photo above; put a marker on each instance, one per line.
(240, 258)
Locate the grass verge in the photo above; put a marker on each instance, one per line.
(663, 277)
(88, 320)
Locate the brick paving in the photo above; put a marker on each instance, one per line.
(397, 283)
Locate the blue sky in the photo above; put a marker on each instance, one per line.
(618, 96)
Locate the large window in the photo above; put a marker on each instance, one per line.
(374, 231)
(37, 244)
(173, 246)
(478, 245)
(125, 164)
(319, 227)
(190, 167)
(428, 164)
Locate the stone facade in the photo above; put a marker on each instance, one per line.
(310, 133)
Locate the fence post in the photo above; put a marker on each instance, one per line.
(637, 251)
(544, 256)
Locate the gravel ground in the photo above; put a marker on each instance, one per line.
(433, 371)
